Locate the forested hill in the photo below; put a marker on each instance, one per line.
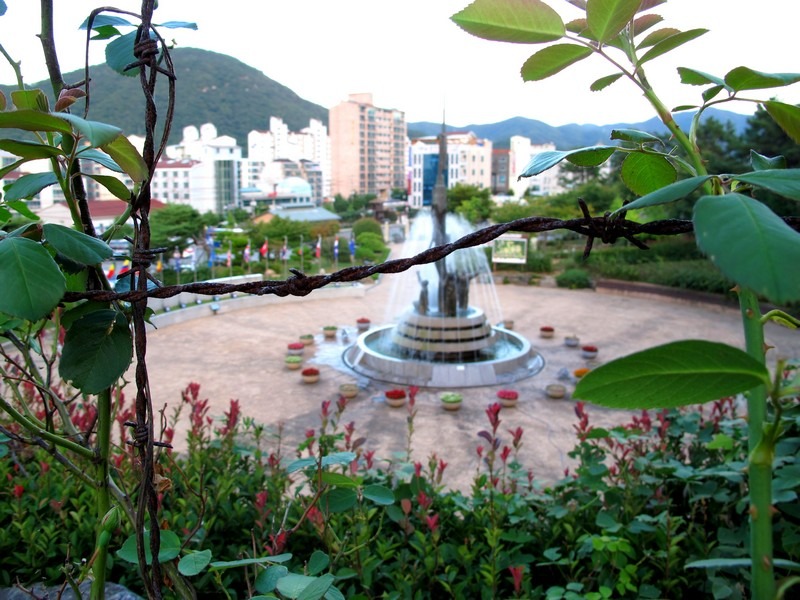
(236, 98)
(211, 88)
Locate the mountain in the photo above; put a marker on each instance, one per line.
(570, 136)
(211, 88)
(236, 98)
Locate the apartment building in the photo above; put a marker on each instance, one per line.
(368, 147)
(469, 161)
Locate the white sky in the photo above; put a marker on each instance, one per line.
(413, 58)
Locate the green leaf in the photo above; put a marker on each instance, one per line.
(765, 163)
(96, 133)
(113, 185)
(338, 479)
(128, 158)
(736, 563)
(76, 245)
(785, 182)
(604, 82)
(318, 562)
(606, 18)
(178, 25)
(293, 584)
(29, 100)
(787, 116)
(750, 244)
(105, 21)
(28, 186)
(170, 547)
(32, 284)
(590, 157)
(549, 61)
(657, 36)
(634, 136)
(675, 374)
(316, 589)
(119, 54)
(509, 21)
(712, 93)
(744, 78)
(33, 120)
(694, 77)
(30, 150)
(379, 494)
(671, 193)
(720, 441)
(267, 580)
(671, 43)
(221, 565)
(100, 158)
(192, 564)
(546, 160)
(22, 208)
(643, 172)
(97, 351)
(339, 500)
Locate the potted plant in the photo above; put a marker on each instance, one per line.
(293, 362)
(508, 398)
(295, 348)
(555, 390)
(329, 331)
(588, 351)
(395, 397)
(307, 339)
(348, 390)
(363, 323)
(572, 341)
(451, 400)
(508, 324)
(546, 331)
(310, 375)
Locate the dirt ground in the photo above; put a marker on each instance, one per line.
(239, 354)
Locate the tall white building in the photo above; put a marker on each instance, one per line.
(309, 145)
(469, 161)
(521, 153)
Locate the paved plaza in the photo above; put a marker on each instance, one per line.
(239, 354)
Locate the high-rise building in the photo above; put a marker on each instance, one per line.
(368, 147)
(521, 153)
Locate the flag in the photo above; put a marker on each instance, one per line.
(264, 248)
(318, 249)
(159, 266)
(229, 258)
(111, 269)
(247, 253)
(284, 252)
(126, 266)
(336, 247)
(352, 247)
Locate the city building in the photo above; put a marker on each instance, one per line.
(520, 154)
(469, 161)
(368, 148)
(501, 171)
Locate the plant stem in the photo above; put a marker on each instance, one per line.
(102, 495)
(761, 451)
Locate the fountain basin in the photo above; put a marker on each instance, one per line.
(508, 358)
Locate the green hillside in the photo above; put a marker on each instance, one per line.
(211, 88)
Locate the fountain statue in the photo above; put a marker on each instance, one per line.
(443, 341)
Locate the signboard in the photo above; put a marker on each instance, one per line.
(510, 248)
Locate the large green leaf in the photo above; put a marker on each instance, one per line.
(127, 157)
(97, 351)
(113, 185)
(635, 136)
(675, 374)
(546, 160)
(785, 182)
(193, 563)
(31, 283)
(318, 562)
(606, 18)
(101, 158)
(527, 22)
(656, 36)
(379, 494)
(267, 580)
(119, 54)
(33, 120)
(750, 244)
(645, 22)
(30, 150)
(644, 172)
(671, 43)
(604, 82)
(96, 133)
(28, 186)
(549, 61)
(170, 547)
(339, 500)
(22, 208)
(670, 193)
(694, 77)
(76, 245)
(744, 78)
(765, 163)
(787, 116)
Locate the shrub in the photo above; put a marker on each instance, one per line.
(574, 279)
(367, 225)
(539, 262)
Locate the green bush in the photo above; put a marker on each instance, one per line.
(367, 225)
(539, 262)
(370, 247)
(574, 279)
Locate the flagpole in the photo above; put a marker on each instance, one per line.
(302, 258)
(230, 258)
(285, 256)
(249, 256)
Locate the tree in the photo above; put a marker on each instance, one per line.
(174, 224)
(476, 209)
(461, 192)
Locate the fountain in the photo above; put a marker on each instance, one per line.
(441, 340)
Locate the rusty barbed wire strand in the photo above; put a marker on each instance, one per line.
(605, 228)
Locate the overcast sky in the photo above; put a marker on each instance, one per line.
(413, 58)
